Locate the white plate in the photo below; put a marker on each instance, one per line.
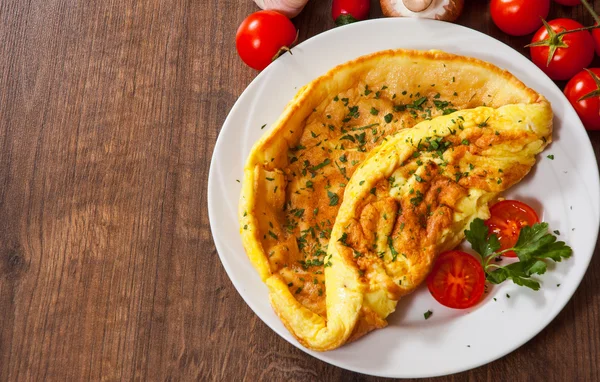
(565, 191)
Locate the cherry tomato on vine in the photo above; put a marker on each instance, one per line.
(559, 55)
(506, 220)
(457, 280)
(568, 2)
(596, 31)
(263, 36)
(583, 91)
(349, 11)
(596, 37)
(519, 17)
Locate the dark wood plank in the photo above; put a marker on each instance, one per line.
(109, 112)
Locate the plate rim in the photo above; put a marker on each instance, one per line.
(210, 199)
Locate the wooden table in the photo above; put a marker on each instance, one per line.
(109, 111)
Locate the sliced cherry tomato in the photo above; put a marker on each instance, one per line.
(349, 11)
(568, 2)
(506, 220)
(263, 36)
(569, 53)
(519, 17)
(457, 280)
(583, 91)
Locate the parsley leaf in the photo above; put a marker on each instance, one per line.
(391, 245)
(534, 246)
(321, 165)
(333, 198)
(537, 242)
(477, 235)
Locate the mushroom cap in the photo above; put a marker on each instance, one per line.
(446, 10)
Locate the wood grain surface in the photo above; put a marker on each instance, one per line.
(109, 112)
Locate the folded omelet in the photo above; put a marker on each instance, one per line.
(373, 170)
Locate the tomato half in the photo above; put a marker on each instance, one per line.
(574, 52)
(506, 220)
(519, 17)
(457, 280)
(588, 109)
(261, 37)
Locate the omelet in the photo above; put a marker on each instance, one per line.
(409, 201)
(340, 210)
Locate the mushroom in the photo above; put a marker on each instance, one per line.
(446, 10)
(290, 8)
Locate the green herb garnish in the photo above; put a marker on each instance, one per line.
(333, 198)
(534, 246)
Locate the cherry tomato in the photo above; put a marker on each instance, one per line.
(457, 280)
(349, 11)
(506, 220)
(574, 51)
(595, 32)
(568, 2)
(519, 17)
(262, 36)
(580, 86)
(596, 37)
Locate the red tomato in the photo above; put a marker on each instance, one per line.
(596, 37)
(588, 109)
(568, 2)
(457, 280)
(262, 36)
(575, 50)
(506, 220)
(519, 17)
(349, 11)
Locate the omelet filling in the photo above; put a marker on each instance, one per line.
(337, 137)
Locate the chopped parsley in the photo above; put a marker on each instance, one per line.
(392, 249)
(484, 123)
(321, 165)
(333, 198)
(417, 199)
(427, 314)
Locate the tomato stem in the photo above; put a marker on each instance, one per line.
(284, 49)
(593, 93)
(555, 40)
(591, 11)
(345, 19)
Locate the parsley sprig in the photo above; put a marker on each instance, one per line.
(534, 246)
